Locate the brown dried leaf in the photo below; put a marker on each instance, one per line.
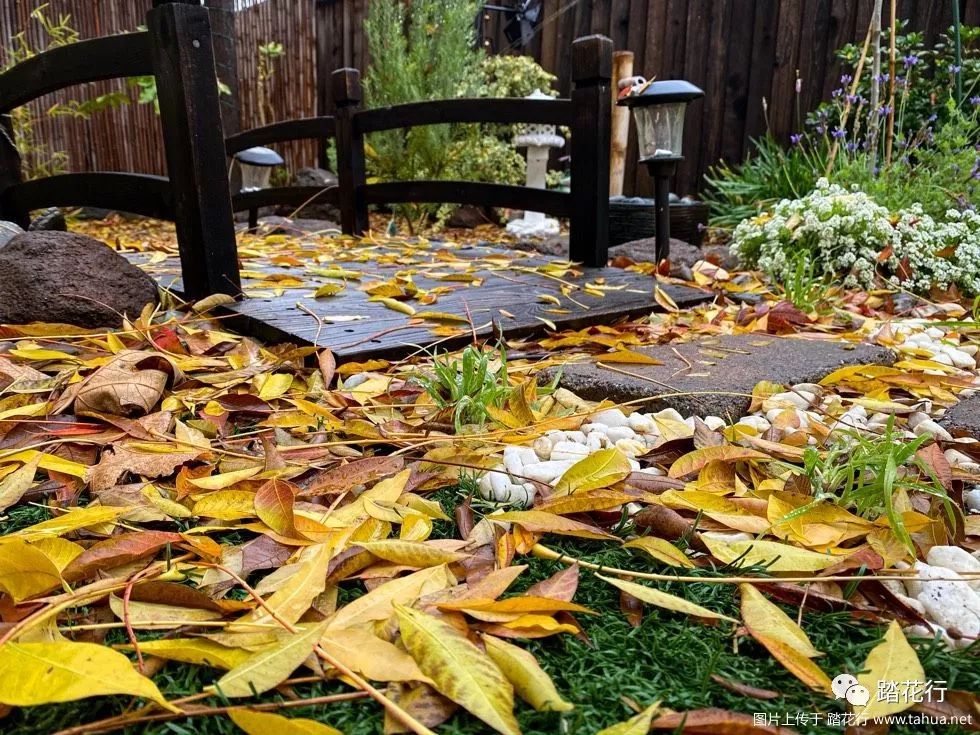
(130, 384)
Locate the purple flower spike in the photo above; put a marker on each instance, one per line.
(910, 60)
(955, 69)
(839, 133)
(975, 100)
(796, 138)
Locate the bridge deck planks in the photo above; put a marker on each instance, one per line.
(280, 307)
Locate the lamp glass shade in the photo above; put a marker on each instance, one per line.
(255, 177)
(660, 129)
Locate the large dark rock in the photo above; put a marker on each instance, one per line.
(714, 375)
(321, 179)
(682, 254)
(963, 419)
(67, 278)
(468, 216)
(50, 220)
(8, 231)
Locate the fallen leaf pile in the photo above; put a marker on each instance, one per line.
(175, 493)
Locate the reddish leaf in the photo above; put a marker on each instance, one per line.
(559, 586)
(274, 506)
(347, 476)
(116, 551)
(744, 689)
(714, 721)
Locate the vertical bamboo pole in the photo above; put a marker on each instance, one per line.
(890, 133)
(622, 68)
(874, 127)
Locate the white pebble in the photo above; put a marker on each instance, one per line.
(610, 417)
(971, 499)
(715, 423)
(917, 418)
(631, 447)
(596, 441)
(931, 427)
(542, 447)
(758, 423)
(668, 414)
(953, 604)
(548, 472)
(616, 433)
(641, 423)
(957, 559)
(569, 450)
(516, 459)
(788, 400)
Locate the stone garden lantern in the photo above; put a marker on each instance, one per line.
(539, 140)
(658, 109)
(256, 165)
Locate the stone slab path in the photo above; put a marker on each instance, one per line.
(715, 375)
(963, 419)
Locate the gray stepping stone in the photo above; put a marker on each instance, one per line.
(963, 419)
(708, 371)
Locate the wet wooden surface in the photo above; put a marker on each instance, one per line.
(454, 290)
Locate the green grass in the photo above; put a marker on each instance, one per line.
(468, 384)
(668, 658)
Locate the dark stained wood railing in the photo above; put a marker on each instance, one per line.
(177, 49)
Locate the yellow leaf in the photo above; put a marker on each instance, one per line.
(600, 469)
(197, 651)
(328, 289)
(441, 316)
(25, 571)
(370, 656)
(796, 663)
(892, 661)
(638, 725)
(43, 673)
(395, 305)
(297, 593)
(661, 550)
(18, 482)
(529, 680)
(267, 669)
(459, 670)
(411, 553)
(254, 722)
(226, 505)
(90, 515)
(762, 617)
(774, 556)
(154, 615)
(585, 502)
(378, 603)
(224, 480)
(629, 357)
(275, 386)
(50, 462)
(663, 298)
(540, 522)
(693, 461)
(662, 599)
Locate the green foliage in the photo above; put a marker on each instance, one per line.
(513, 76)
(39, 159)
(871, 476)
(425, 50)
(937, 171)
(422, 51)
(933, 162)
(924, 78)
(770, 173)
(468, 384)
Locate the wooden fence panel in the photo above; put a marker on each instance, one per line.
(739, 51)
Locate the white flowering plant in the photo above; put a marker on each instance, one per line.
(845, 234)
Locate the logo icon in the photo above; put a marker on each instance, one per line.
(846, 686)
